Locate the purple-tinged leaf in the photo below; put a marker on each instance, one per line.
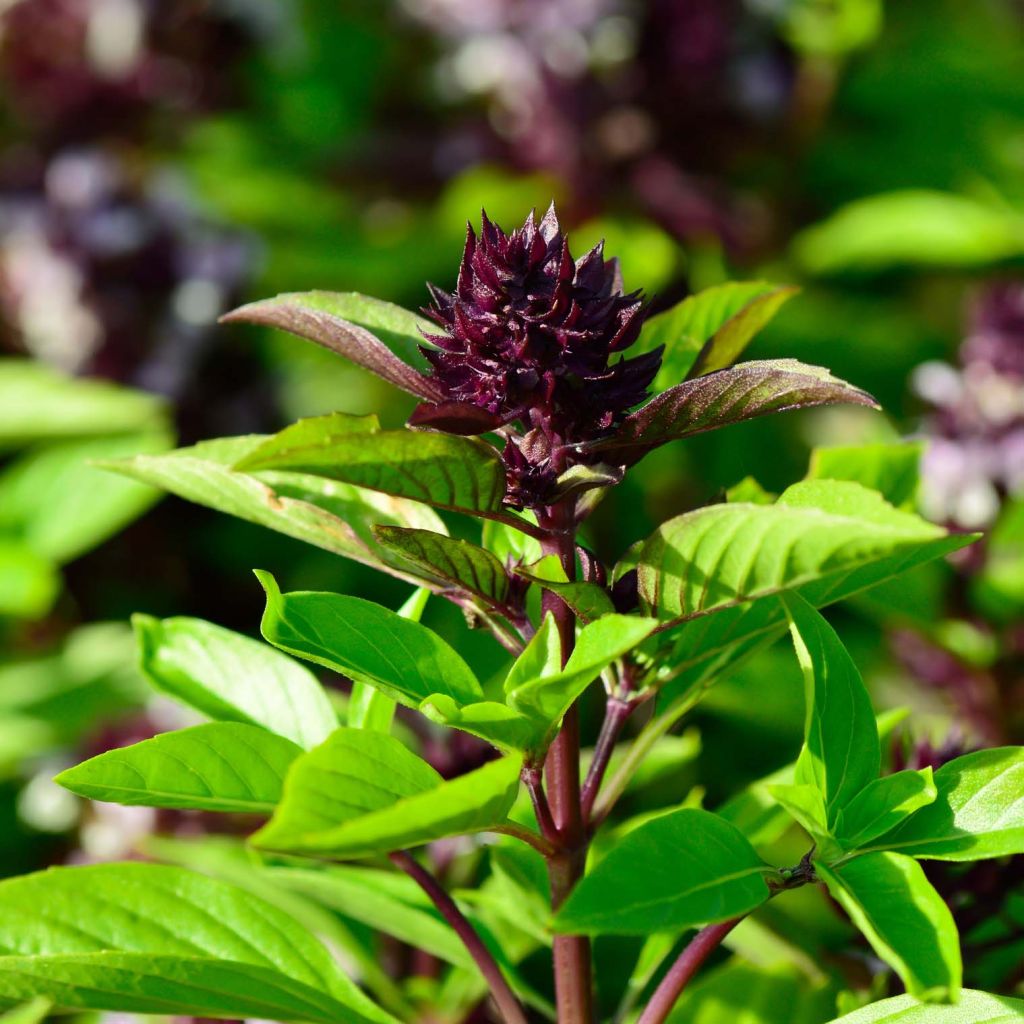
(459, 564)
(725, 397)
(455, 418)
(336, 321)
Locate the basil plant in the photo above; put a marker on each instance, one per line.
(540, 381)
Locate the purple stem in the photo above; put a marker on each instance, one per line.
(701, 946)
(508, 1005)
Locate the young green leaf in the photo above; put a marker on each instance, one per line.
(597, 646)
(725, 397)
(152, 939)
(353, 773)
(475, 802)
(681, 869)
(806, 805)
(977, 813)
(882, 805)
(973, 1008)
(686, 328)
(463, 474)
(841, 753)
(542, 656)
(331, 515)
(730, 340)
(505, 728)
(368, 643)
(230, 677)
(906, 921)
(588, 600)
(365, 330)
(222, 766)
(368, 708)
(458, 564)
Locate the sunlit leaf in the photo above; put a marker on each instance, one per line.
(367, 642)
(906, 921)
(230, 677)
(222, 766)
(681, 869)
(98, 937)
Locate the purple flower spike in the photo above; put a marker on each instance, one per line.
(530, 335)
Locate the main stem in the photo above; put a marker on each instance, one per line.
(701, 946)
(501, 993)
(573, 982)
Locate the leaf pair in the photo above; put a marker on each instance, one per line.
(414, 666)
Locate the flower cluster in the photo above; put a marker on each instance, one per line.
(530, 334)
(976, 456)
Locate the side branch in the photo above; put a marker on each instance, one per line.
(703, 944)
(508, 1005)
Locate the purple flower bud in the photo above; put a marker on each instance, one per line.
(530, 337)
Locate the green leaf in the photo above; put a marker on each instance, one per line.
(681, 869)
(819, 532)
(230, 677)
(588, 600)
(730, 340)
(222, 766)
(841, 753)
(29, 583)
(353, 773)
(891, 468)
(475, 802)
(462, 474)
(368, 643)
(61, 506)
(725, 397)
(883, 804)
(151, 939)
(915, 227)
(457, 563)
(503, 727)
(311, 430)
(705, 645)
(331, 515)
(376, 335)
(37, 403)
(906, 921)
(33, 1012)
(597, 646)
(368, 708)
(977, 812)
(685, 328)
(542, 656)
(805, 804)
(385, 901)
(973, 1008)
